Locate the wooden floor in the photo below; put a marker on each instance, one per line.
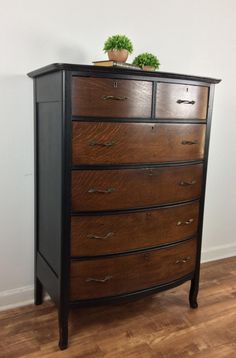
(160, 326)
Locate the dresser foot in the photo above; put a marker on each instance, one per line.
(38, 292)
(193, 293)
(63, 344)
(63, 329)
(63, 341)
(193, 304)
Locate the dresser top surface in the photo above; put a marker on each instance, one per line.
(91, 69)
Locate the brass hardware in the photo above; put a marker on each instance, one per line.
(105, 191)
(107, 236)
(184, 260)
(187, 222)
(189, 142)
(187, 183)
(184, 101)
(101, 280)
(101, 144)
(115, 98)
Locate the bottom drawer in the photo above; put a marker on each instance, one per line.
(129, 273)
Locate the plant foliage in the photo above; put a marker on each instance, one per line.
(146, 59)
(118, 42)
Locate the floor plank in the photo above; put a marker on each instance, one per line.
(160, 326)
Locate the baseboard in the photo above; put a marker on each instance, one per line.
(25, 295)
(16, 297)
(218, 252)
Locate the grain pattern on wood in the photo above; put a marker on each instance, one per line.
(107, 143)
(106, 97)
(181, 101)
(129, 188)
(160, 325)
(106, 234)
(123, 274)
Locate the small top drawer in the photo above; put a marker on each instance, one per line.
(181, 101)
(106, 97)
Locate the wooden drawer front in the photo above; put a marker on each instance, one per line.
(106, 143)
(129, 273)
(181, 101)
(94, 190)
(106, 234)
(105, 97)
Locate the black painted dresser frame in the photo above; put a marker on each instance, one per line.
(53, 84)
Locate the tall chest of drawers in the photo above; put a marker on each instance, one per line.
(120, 173)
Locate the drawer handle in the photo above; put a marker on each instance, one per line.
(187, 183)
(183, 261)
(107, 236)
(184, 101)
(105, 191)
(101, 280)
(189, 142)
(115, 98)
(101, 144)
(187, 222)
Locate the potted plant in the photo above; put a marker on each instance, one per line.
(118, 48)
(147, 61)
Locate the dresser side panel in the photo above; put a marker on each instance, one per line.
(49, 182)
(49, 87)
(49, 128)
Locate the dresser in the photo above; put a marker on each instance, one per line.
(120, 174)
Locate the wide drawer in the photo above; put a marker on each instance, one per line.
(94, 190)
(106, 97)
(130, 273)
(181, 101)
(108, 234)
(106, 143)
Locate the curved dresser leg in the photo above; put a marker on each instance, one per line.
(194, 292)
(38, 292)
(63, 329)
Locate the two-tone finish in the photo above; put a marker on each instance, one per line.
(120, 173)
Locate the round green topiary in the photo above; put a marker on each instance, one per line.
(118, 42)
(146, 59)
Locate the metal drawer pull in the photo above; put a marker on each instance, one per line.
(183, 261)
(105, 191)
(101, 144)
(184, 101)
(187, 183)
(187, 222)
(115, 98)
(101, 280)
(189, 142)
(107, 236)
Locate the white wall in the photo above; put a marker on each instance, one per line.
(194, 37)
